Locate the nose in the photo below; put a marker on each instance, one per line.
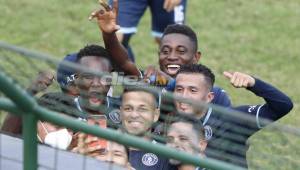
(96, 81)
(172, 56)
(134, 114)
(185, 94)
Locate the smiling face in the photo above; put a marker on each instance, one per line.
(176, 50)
(192, 86)
(138, 112)
(90, 85)
(191, 142)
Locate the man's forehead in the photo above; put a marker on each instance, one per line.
(113, 146)
(95, 63)
(187, 79)
(139, 96)
(181, 127)
(177, 38)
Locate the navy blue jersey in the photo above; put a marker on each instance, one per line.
(227, 134)
(220, 97)
(141, 160)
(111, 110)
(131, 11)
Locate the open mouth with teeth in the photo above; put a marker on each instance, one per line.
(173, 68)
(134, 123)
(184, 107)
(95, 98)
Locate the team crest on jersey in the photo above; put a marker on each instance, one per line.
(114, 116)
(149, 159)
(251, 108)
(208, 132)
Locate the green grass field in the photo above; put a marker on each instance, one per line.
(257, 37)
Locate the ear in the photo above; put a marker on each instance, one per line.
(197, 57)
(210, 97)
(156, 115)
(202, 145)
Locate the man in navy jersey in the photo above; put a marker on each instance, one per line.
(139, 111)
(178, 47)
(163, 13)
(192, 142)
(93, 89)
(227, 134)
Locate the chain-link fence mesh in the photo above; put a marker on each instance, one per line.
(224, 132)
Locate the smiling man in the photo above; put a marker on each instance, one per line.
(178, 47)
(227, 134)
(139, 111)
(193, 142)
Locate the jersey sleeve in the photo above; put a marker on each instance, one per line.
(277, 103)
(221, 98)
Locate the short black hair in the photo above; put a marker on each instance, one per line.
(93, 50)
(200, 69)
(196, 125)
(182, 29)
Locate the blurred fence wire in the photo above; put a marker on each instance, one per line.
(228, 131)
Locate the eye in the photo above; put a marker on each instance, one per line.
(178, 89)
(127, 109)
(143, 109)
(181, 50)
(194, 90)
(165, 51)
(183, 138)
(87, 76)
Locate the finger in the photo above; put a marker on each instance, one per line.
(104, 5)
(241, 81)
(245, 83)
(115, 7)
(227, 75)
(166, 4)
(171, 7)
(93, 15)
(90, 139)
(117, 27)
(93, 149)
(237, 80)
(149, 72)
(233, 79)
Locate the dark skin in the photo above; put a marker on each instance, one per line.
(107, 23)
(12, 123)
(106, 20)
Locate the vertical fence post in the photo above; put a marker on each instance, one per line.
(30, 142)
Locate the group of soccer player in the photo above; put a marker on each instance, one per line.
(188, 121)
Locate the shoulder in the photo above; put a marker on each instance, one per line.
(221, 97)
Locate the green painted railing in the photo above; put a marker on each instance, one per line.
(24, 105)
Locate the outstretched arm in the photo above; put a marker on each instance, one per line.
(277, 103)
(106, 19)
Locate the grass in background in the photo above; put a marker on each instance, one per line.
(257, 37)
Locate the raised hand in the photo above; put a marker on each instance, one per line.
(239, 80)
(169, 5)
(156, 76)
(84, 146)
(106, 17)
(42, 82)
